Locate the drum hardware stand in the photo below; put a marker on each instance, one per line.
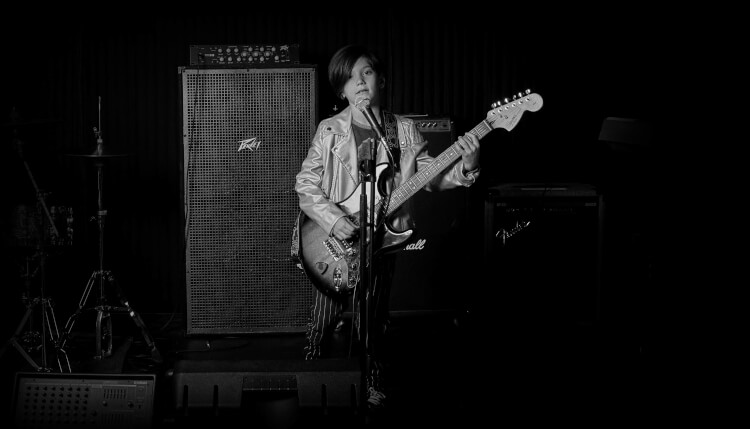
(104, 316)
(101, 277)
(49, 330)
(49, 324)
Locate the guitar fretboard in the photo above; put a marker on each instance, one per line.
(423, 176)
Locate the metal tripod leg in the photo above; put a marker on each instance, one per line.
(49, 322)
(48, 318)
(136, 319)
(81, 307)
(13, 341)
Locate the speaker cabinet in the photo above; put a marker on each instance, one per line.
(245, 134)
(428, 268)
(543, 245)
(45, 400)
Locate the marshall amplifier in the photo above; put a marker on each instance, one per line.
(430, 267)
(542, 252)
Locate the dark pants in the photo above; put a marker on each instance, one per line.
(326, 311)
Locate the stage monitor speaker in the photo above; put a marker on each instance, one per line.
(543, 249)
(428, 268)
(245, 134)
(266, 388)
(46, 400)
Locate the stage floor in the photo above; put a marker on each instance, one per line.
(442, 369)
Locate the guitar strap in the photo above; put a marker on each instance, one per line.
(294, 250)
(391, 136)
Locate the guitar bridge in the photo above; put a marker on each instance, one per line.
(339, 249)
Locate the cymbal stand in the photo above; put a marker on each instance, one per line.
(49, 331)
(104, 278)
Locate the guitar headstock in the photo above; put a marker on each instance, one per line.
(506, 114)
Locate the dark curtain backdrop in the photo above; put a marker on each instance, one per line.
(63, 77)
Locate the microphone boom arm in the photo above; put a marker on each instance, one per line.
(363, 104)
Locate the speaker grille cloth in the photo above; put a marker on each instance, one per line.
(246, 132)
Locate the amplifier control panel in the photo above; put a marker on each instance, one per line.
(243, 54)
(427, 124)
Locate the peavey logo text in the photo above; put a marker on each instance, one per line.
(251, 143)
(419, 245)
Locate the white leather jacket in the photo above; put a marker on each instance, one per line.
(330, 173)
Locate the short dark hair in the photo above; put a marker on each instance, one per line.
(343, 61)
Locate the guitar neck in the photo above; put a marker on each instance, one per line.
(425, 175)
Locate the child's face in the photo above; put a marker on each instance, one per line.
(364, 82)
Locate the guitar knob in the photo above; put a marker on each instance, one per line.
(337, 279)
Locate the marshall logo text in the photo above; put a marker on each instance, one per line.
(419, 245)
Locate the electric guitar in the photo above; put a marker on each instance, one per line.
(333, 265)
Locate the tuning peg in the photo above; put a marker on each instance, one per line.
(506, 100)
(520, 95)
(528, 91)
(514, 97)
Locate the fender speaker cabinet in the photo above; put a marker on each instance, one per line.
(542, 252)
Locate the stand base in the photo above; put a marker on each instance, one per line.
(104, 317)
(50, 332)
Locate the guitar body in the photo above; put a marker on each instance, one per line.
(332, 264)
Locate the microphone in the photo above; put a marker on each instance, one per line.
(366, 163)
(365, 150)
(363, 104)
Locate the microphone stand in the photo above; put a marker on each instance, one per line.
(367, 234)
(366, 252)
